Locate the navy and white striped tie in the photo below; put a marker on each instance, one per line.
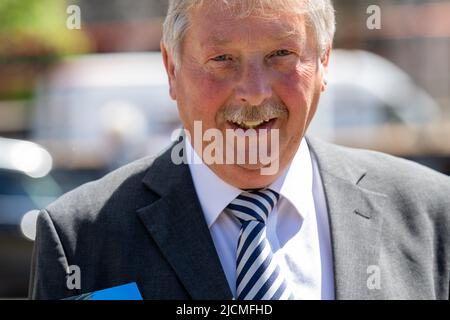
(258, 277)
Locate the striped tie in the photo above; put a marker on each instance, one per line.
(258, 277)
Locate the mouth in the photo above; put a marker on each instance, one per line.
(255, 124)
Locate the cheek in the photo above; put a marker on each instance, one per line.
(296, 87)
(297, 90)
(214, 91)
(202, 95)
(306, 75)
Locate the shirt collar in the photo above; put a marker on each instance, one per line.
(212, 200)
(292, 184)
(296, 184)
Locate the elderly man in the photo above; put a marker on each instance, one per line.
(326, 222)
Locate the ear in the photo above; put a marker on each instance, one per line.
(324, 62)
(170, 70)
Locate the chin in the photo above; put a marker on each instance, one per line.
(246, 176)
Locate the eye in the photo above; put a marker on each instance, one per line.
(222, 58)
(280, 53)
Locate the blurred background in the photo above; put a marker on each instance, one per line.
(77, 103)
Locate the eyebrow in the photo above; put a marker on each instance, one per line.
(220, 41)
(215, 40)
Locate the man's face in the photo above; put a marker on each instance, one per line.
(248, 69)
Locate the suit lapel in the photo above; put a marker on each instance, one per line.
(355, 216)
(177, 225)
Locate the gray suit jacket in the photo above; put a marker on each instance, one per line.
(389, 221)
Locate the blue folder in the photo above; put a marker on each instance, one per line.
(128, 291)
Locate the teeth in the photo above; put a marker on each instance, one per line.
(251, 124)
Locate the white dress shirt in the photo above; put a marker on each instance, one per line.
(297, 229)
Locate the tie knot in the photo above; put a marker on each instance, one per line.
(254, 205)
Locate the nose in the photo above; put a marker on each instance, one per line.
(254, 84)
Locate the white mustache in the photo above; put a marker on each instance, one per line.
(267, 111)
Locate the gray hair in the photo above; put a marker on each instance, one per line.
(320, 14)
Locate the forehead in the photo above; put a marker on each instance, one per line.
(215, 22)
(244, 8)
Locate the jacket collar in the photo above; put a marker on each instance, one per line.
(178, 226)
(176, 223)
(355, 215)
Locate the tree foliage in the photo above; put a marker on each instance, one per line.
(38, 27)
